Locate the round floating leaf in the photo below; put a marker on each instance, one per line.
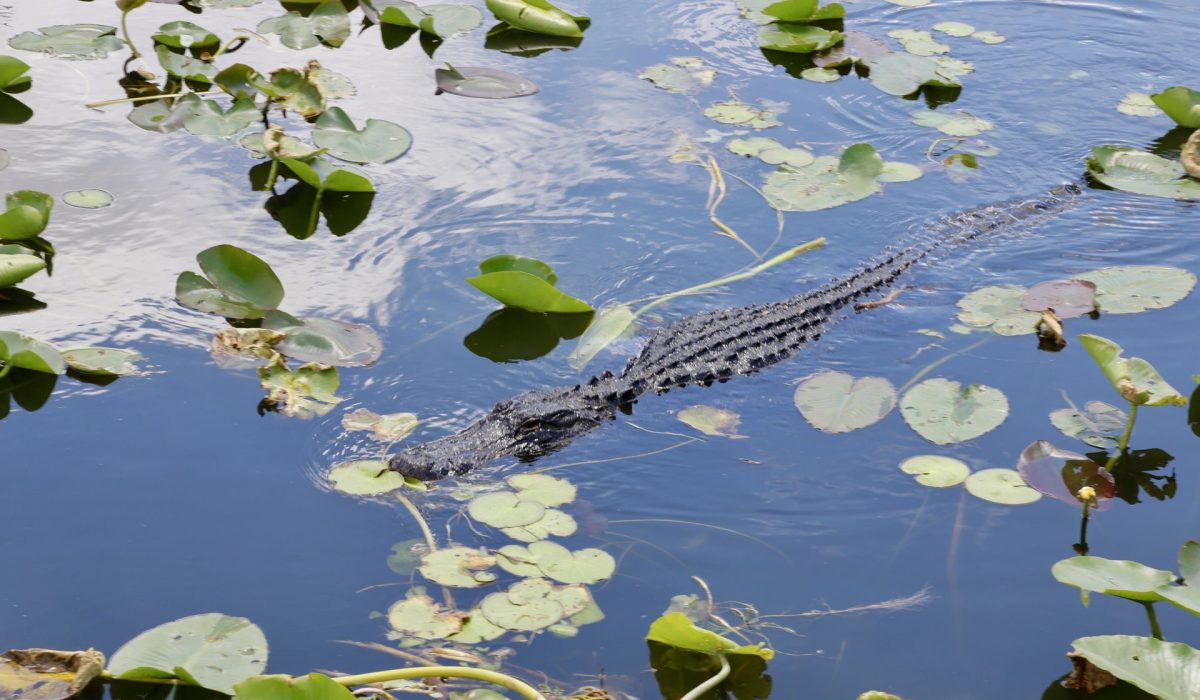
(951, 69)
(958, 123)
(1124, 579)
(1135, 379)
(20, 350)
(954, 28)
(505, 509)
(711, 420)
(518, 561)
(71, 41)
(1181, 104)
(1130, 170)
(935, 470)
(828, 182)
(554, 523)
(582, 566)
(15, 267)
(1060, 474)
(1098, 424)
(998, 307)
(213, 651)
(797, 38)
(836, 402)
(820, 75)
(241, 275)
(198, 294)
(277, 145)
(388, 428)
(442, 21)
(156, 116)
(1131, 289)
(109, 362)
(329, 24)
(457, 566)
(902, 74)
(1068, 298)
(184, 66)
(1003, 486)
(989, 37)
(856, 47)
(206, 118)
(314, 686)
(944, 412)
(537, 16)
(1138, 104)
(526, 606)
(525, 291)
(550, 491)
(918, 42)
(378, 142)
(185, 35)
(325, 340)
(1169, 670)
(485, 83)
(420, 617)
(738, 112)
(771, 152)
(365, 478)
(87, 199)
(895, 171)
(477, 629)
(682, 74)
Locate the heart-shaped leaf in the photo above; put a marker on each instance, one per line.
(324, 340)
(378, 142)
(1062, 474)
(206, 118)
(328, 24)
(1130, 170)
(440, 20)
(1097, 423)
(484, 83)
(944, 412)
(212, 651)
(1003, 486)
(1131, 289)
(242, 275)
(1124, 579)
(368, 478)
(184, 66)
(935, 470)
(797, 38)
(182, 34)
(104, 362)
(71, 41)
(836, 402)
(1169, 670)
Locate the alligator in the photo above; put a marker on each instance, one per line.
(702, 349)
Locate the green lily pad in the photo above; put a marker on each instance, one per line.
(20, 350)
(419, 616)
(308, 391)
(314, 686)
(550, 491)
(323, 176)
(1169, 670)
(836, 402)
(738, 112)
(999, 308)
(944, 412)
(856, 47)
(206, 118)
(477, 629)
(514, 286)
(770, 151)
(902, 74)
(989, 37)
(918, 42)
(325, 340)
(273, 143)
(682, 74)
(458, 567)
(711, 420)
(958, 123)
(538, 16)
(555, 561)
(1130, 170)
(368, 477)
(1003, 486)
(1124, 579)
(609, 324)
(378, 142)
(442, 21)
(935, 470)
(87, 199)
(329, 24)
(27, 215)
(533, 604)
(956, 29)
(677, 630)
(386, 428)
(483, 83)
(292, 89)
(797, 38)
(1131, 289)
(895, 171)
(185, 67)
(238, 285)
(1138, 104)
(181, 34)
(212, 651)
(820, 75)
(505, 509)
(16, 267)
(70, 41)
(1097, 423)
(1135, 379)
(1181, 104)
(951, 69)
(13, 73)
(107, 362)
(156, 116)
(799, 11)
(554, 523)
(827, 182)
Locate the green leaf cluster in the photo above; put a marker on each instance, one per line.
(538, 17)
(525, 283)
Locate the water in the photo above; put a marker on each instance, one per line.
(164, 495)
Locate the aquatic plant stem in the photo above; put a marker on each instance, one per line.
(412, 509)
(149, 98)
(125, 31)
(1082, 547)
(476, 674)
(1152, 616)
(716, 195)
(1123, 442)
(711, 683)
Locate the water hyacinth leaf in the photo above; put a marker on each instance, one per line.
(1138, 104)
(309, 391)
(797, 38)
(1003, 486)
(386, 428)
(1135, 379)
(1169, 670)
(957, 29)
(483, 83)
(328, 24)
(457, 567)
(313, 686)
(682, 74)
(505, 509)
(955, 124)
(1116, 577)
(368, 477)
(610, 323)
(989, 37)
(241, 275)
(45, 674)
(902, 74)
(16, 267)
(711, 420)
(70, 41)
(185, 35)
(378, 142)
(325, 340)
(676, 630)
(537, 16)
(836, 402)
(1181, 104)
(27, 215)
(522, 290)
(738, 112)
(550, 491)
(87, 199)
(1069, 298)
(212, 651)
(105, 362)
(944, 412)
(1131, 289)
(1060, 474)
(443, 21)
(1097, 423)
(935, 470)
(421, 617)
(803, 11)
(554, 523)
(12, 73)
(999, 308)
(206, 118)
(1130, 170)
(20, 350)
(918, 42)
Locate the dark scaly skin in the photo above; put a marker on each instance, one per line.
(700, 349)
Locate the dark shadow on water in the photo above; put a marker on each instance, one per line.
(512, 335)
(300, 208)
(1137, 472)
(18, 301)
(30, 390)
(516, 42)
(1193, 414)
(1120, 691)
(678, 671)
(1171, 143)
(13, 111)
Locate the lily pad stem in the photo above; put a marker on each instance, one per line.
(1152, 616)
(149, 98)
(711, 683)
(1082, 547)
(224, 48)
(125, 31)
(1123, 442)
(476, 674)
(412, 509)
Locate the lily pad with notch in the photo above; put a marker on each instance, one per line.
(18, 350)
(936, 471)
(998, 307)
(326, 341)
(212, 651)
(182, 34)
(87, 199)
(322, 176)
(388, 427)
(441, 20)
(1130, 289)
(944, 412)
(237, 284)
(378, 141)
(1115, 577)
(203, 117)
(1003, 486)
(185, 67)
(1068, 298)
(458, 567)
(70, 41)
(797, 38)
(710, 420)
(105, 362)
(1097, 423)
(484, 83)
(682, 74)
(369, 477)
(420, 617)
(328, 24)
(901, 74)
(1060, 474)
(1131, 170)
(803, 11)
(835, 402)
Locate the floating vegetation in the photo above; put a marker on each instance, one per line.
(442, 21)
(484, 83)
(369, 477)
(389, 427)
(17, 265)
(556, 562)
(378, 141)
(935, 470)
(735, 111)
(713, 421)
(798, 11)
(70, 41)
(999, 308)
(1130, 289)
(955, 29)
(308, 391)
(903, 74)
(1138, 104)
(1135, 379)
(525, 283)
(1181, 104)
(538, 17)
(835, 402)
(797, 38)
(944, 412)
(676, 629)
(1062, 475)
(328, 24)
(989, 37)
(770, 151)
(1097, 423)
(13, 76)
(1003, 486)
(856, 47)
(102, 362)
(212, 651)
(1131, 170)
(830, 182)
(958, 123)
(1068, 298)
(820, 75)
(919, 42)
(682, 74)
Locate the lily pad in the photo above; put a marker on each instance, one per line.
(1181, 104)
(181, 34)
(951, 69)
(538, 16)
(956, 29)
(305, 392)
(87, 199)
(550, 491)
(293, 90)
(711, 420)
(895, 171)
(820, 75)
(1097, 423)
(533, 604)
(682, 74)
(513, 285)
(20, 350)
(325, 340)
(800, 11)
(1130, 170)
(836, 402)
(944, 412)
(827, 182)
(738, 112)
(935, 470)
(212, 651)
(918, 42)
(902, 74)
(323, 176)
(484, 83)
(70, 41)
(107, 362)
(27, 215)
(554, 561)
(1131, 289)
(1169, 670)
(1138, 104)
(419, 616)
(313, 686)
(16, 267)
(505, 509)
(443, 21)
(185, 67)
(770, 151)
(367, 477)
(677, 630)
(378, 142)
(958, 123)
(989, 37)
(1068, 298)
(1135, 379)
(554, 523)
(328, 24)
(238, 285)
(999, 308)
(797, 38)
(1060, 474)
(1003, 486)
(386, 428)
(458, 567)
(856, 47)
(1124, 579)
(206, 118)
